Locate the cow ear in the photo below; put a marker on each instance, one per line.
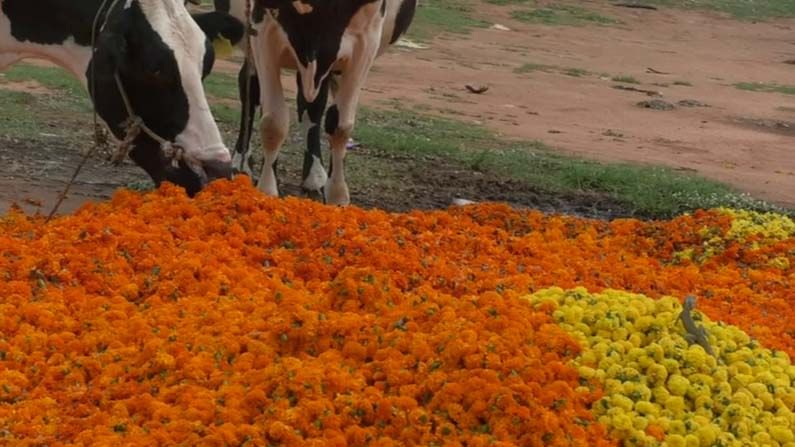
(223, 30)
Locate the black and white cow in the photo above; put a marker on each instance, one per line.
(332, 45)
(160, 53)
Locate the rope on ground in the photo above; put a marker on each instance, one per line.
(98, 138)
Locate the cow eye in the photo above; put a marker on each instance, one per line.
(161, 75)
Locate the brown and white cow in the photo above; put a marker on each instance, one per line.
(160, 53)
(332, 46)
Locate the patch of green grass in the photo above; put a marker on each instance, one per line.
(444, 16)
(576, 72)
(141, 185)
(56, 79)
(766, 87)
(221, 85)
(226, 115)
(739, 9)
(786, 109)
(661, 193)
(18, 119)
(683, 83)
(531, 67)
(49, 77)
(562, 15)
(625, 79)
(26, 114)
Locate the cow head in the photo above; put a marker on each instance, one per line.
(315, 30)
(161, 55)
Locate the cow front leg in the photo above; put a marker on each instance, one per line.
(340, 119)
(248, 88)
(310, 115)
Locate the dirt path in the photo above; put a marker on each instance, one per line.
(743, 138)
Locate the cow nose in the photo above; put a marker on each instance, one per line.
(217, 169)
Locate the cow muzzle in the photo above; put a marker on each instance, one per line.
(217, 169)
(209, 170)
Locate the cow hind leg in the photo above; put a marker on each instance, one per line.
(310, 115)
(247, 83)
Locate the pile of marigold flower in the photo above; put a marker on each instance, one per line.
(238, 319)
(658, 387)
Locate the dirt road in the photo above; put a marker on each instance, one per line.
(744, 138)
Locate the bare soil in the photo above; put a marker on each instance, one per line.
(739, 137)
(731, 140)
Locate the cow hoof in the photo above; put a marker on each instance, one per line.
(338, 194)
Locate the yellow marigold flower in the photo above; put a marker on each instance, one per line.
(640, 423)
(708, 434)
(678, 385)
(767, 400)
(657, 373)
(695, 356)
(586, 372)
(734, 412)
(770, 226)
(635, 353)
(660, 394)
(692, 440)
(781, 434)
(655, 351)
(622, 422)
(583, 329)
(703, 401)
(781, 263)
(762, 438)
(644, 323)
(741, 381)
(757, 388)
(675, 404)
(720, 376)
(647, 408)
(620, 401)
(666, 304)
(671, 365)
(613, 386)
(702, 379)
(676, 440)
